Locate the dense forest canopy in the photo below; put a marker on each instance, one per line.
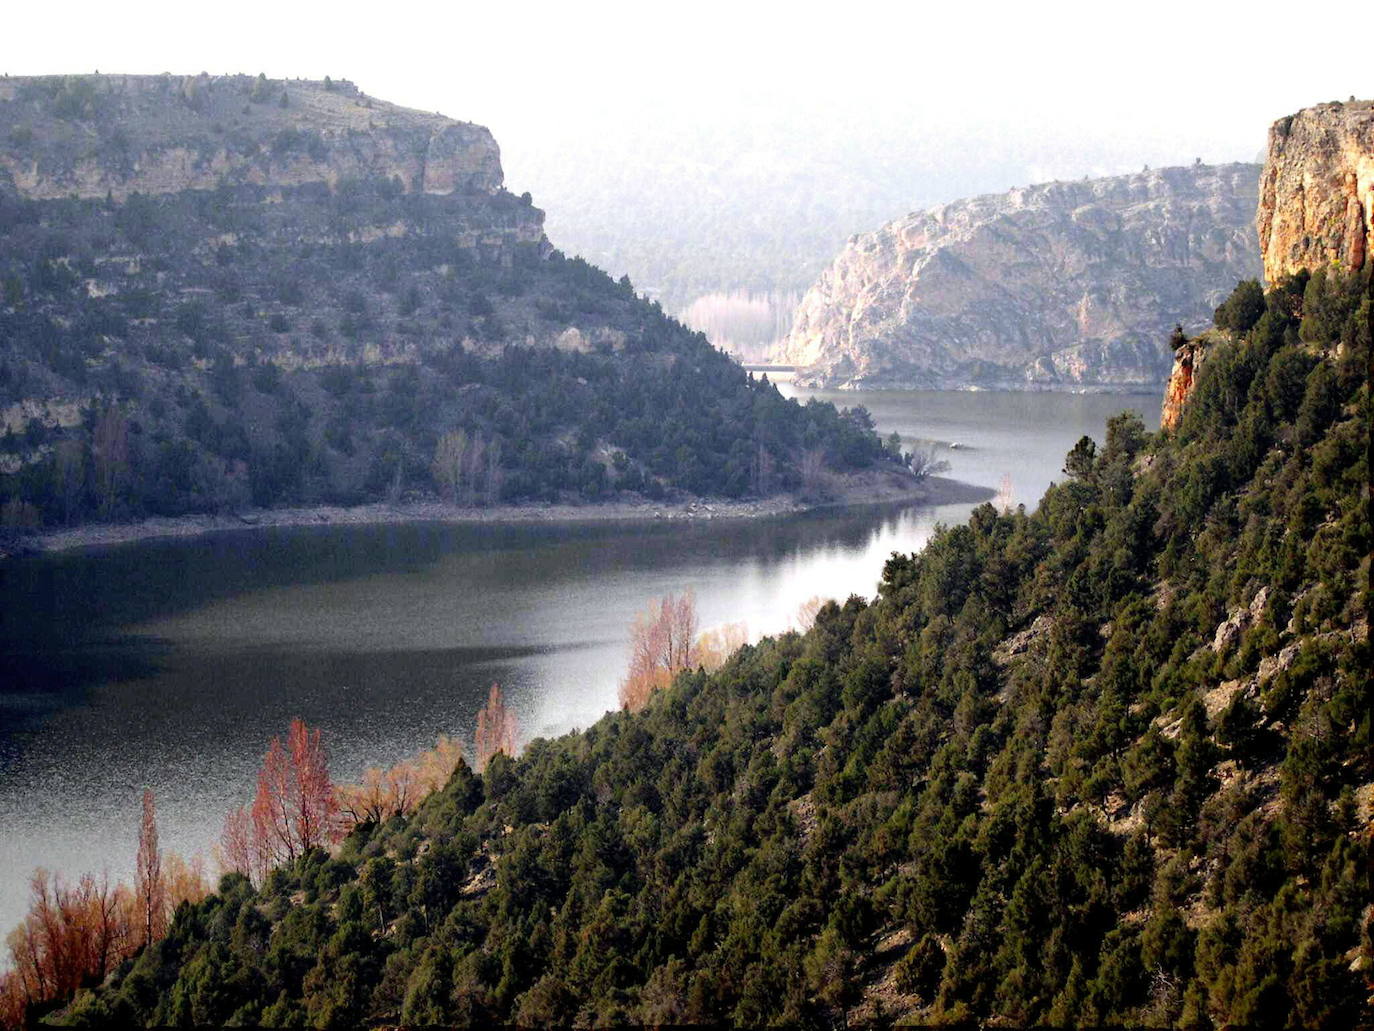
(1108, 762)
(208, 350)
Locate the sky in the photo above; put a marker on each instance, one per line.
(634, 123)
(1169, 80)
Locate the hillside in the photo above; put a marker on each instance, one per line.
(1105, 763)
(1066, 285)
(222, 292)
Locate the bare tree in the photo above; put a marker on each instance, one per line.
(806, 612)
(450, 463)
(497, 729)
(110, 456)
(293, 809)
(923, 463)
(148, 886)
(815, 481)
(385, 793)
(662, 640)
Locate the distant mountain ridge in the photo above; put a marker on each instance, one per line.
(89, 136)
(1066, 285)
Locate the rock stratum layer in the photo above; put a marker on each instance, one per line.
(119, 134)
(1069, 285)
(1317, 191)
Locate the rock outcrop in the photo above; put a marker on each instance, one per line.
(1070, 285)
(1316, 210)
(1187, 360)
(1317, 191)
(113, 135)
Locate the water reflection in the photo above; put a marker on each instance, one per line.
(170, 664)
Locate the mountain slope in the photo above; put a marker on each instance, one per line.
(1067, 285)
(1106, 763)
(218, 292)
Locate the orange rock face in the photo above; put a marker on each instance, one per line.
(1317, 191)
(1187, 359)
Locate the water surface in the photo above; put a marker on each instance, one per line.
(169, 664)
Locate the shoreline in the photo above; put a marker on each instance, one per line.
(854, 491)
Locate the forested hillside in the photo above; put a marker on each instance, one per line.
(1105, 763)
(312, 328)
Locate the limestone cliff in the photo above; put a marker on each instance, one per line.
(1071, 285)
(93, 136)
(1316, 210)
(1317, 191)
(1187, 361)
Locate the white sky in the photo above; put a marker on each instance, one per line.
(1147, 82)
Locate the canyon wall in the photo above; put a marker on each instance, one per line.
(113, 135)
(1316, 210)
(1317, 191)
(1067, 285)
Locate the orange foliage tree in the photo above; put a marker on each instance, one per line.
(72, 936)
(293, 809)
(294, 805)
(497, 729)
(661, 640)
(383, 794)
(713, 647)
(664, 642)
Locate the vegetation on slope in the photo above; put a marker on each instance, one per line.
(1109, 762)
(207, 350)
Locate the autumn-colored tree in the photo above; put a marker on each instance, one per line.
(806, 612)
(293, 809)
(383, 794)
(71, 937)
(661, 645)
(237, 850)
(183, 880)
(497, 730)
(714, 646)
(148, 885)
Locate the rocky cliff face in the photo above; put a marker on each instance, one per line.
(1056, 286)
(1182, 378)
(1317, 191)
(93, 136)
(1316, 209)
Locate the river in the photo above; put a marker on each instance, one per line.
(169, 664)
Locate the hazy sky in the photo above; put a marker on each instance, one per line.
(1170, 80)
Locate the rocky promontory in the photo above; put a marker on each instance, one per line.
(1316, 212)
(1066, 285)
(1317, 191)
(113, 135)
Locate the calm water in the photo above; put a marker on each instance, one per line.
(170, 664)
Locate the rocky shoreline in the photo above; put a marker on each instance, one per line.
(858, 489)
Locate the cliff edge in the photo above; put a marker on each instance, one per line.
(1316, 211)
(1316, 204)
(1067, 285)
(113, 135)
